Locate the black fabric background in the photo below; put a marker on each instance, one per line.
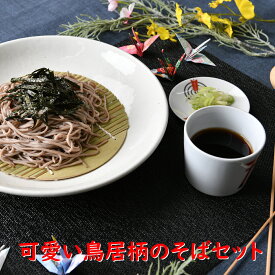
(155, 203)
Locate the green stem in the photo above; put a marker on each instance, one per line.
(238, 24)
(123, 2)
(264, 20)
(150, 10)
(232, 12)
(224, 14)
(161, 4)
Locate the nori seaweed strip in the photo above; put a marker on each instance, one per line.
(40, 94)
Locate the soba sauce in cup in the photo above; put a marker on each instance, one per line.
(221, 147)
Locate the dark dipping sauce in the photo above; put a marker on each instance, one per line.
(222, 143)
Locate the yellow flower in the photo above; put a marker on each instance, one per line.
(163, 33)
(171, 37)
(203, 17)
(216, 3)
(152, 29)
(224, 21)
(246, 8)
(229, 30)
(242, 19)
(179, 14)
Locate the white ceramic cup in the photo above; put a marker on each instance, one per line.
(214, 175)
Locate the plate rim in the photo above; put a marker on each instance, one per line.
(74, 189)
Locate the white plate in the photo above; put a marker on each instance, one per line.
(181, 106)
(130, 80)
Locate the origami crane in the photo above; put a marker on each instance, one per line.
(195, 55)
(64, 265)
(138, 47)
(3, 255)
(168, 70)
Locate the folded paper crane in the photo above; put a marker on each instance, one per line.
(64, 265)
(168, 70)
(195, 55)
(138, 47)
(3, 255)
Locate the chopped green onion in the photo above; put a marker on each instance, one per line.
(207, 96)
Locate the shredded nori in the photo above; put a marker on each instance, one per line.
(42, 93)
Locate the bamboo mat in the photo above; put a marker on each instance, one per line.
(113, 133)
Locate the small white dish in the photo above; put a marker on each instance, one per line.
(130, 80)
(179, 102)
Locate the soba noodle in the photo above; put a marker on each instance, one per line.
(59, 143)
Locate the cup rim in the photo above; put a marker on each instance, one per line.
(255, 153)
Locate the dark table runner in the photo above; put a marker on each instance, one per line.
(153, 204)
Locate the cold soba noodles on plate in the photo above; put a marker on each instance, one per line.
(48, 120)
